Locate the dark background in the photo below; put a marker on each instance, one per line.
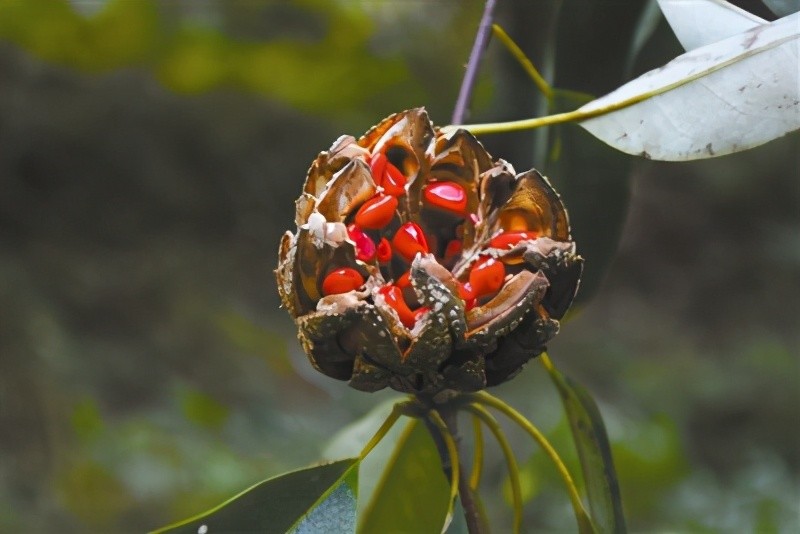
(150, 154)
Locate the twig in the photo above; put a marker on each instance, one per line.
(513, 469)
(467, 84)
(585, 525)
(472, 513)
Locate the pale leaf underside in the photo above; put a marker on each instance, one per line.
(725, 97)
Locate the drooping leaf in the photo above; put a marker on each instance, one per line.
(703, 22)
(316, 499)
(413, 494)
(598, 196)
(350, 441)
(729, 96)
(594, 451)
(783, 7)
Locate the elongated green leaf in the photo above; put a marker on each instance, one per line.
(725, 97)
(645, 27)
(598, 196)
(316, 499)
(413, 494)
(350, 441)
(702, 22)
(594, 451)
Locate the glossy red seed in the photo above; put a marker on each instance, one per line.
(342, 280)
(394, 183)
(377, 164)
(386, 175)
(384, 250)
(376, 212)
(509, 239)
(365, 247)
(465, 291)
(453, 249)
(448, 196)
(404, 280)
(487, 276)
(393, 296)
(409, 240)
(467, 294)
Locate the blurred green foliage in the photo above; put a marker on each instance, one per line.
(151, 154)
(299, 70)
(406, 491)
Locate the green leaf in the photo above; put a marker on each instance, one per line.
(413, 493)
(316, 499)
(594, 451)
(595, 184)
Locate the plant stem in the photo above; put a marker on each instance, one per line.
(397, 411)
(585, 525)
(511, 461)
(467, 84)
(477, 460)
(472, 513)
(452, 453)
(523, 60)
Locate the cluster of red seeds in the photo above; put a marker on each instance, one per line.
(486, 275)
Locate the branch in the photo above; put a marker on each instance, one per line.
(478, 47)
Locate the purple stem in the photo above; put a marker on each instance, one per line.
(467, 84)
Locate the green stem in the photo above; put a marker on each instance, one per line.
(580, 116)
(547, 362)
(397, 410)
(523, 60)
(477, 460)
(511, 461)
(538, 122)
(452, 452)
(583, 518)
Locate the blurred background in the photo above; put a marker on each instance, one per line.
(150, 154)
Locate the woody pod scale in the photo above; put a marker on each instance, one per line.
(421, 264)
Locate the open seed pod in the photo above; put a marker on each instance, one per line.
(421, 264)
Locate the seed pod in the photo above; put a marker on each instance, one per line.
(452, 272)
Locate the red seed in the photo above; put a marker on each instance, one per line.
(509, 239)
(404, 281)
(453, 249)
(386, 175)
(393, 296)
(467, 294)
(365, 247)
(465, 291)
(394, 183)
(384, 250)
(342, 280)
(376, 212)
(487, 276)
(409, 240)
(448, 196)
(377, 164)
